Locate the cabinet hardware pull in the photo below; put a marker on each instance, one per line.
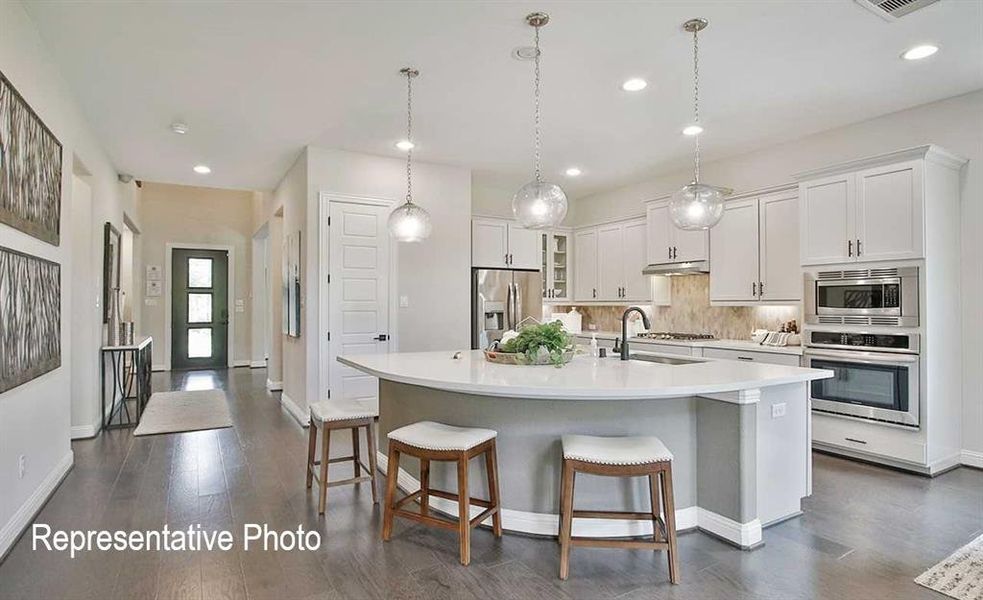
(382, 337)
(675, 252)
(594, 292)
(849, 248)
(859, 252)
(855, 441)
(744, 358)
(670, 251)
(761, 288)
(754, 289)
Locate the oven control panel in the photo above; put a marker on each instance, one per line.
(897, 342)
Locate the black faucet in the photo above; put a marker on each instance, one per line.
(624, 328)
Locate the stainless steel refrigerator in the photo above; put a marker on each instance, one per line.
(500, 300)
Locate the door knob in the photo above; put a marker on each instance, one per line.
(381, 337)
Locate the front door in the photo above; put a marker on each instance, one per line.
(199, 309)
(359, 295)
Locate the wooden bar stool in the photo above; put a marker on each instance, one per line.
(619, 457)
(429, 441)
(329, 416)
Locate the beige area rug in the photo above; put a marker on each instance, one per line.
(959, 576)
(174, 412)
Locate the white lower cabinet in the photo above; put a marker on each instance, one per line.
(773, 358)
(869, 438)
(754, 251)
(663, 348)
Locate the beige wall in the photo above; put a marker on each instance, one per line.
(45, 403)
(196, 215)
(954, 124)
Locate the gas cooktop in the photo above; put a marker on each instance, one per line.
(672, 335)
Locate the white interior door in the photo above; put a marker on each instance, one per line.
(359, 292)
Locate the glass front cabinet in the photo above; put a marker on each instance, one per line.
(556, 265)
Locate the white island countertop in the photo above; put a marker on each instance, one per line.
(584, 378)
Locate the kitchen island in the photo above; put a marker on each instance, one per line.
(739, 433)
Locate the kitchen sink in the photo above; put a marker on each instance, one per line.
(666, 360)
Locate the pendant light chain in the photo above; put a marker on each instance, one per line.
(539, 143)
(696, 102)
(409, 136)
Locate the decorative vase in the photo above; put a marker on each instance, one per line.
(115, 320)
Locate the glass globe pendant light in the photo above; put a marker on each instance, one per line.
(539, 204)
(697, 205)
(409, 222)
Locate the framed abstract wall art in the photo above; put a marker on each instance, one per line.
(30, 310)
(30, 169)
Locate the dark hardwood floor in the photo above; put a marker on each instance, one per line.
(866, 531)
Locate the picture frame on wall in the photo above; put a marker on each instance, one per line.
(30, 339)
(112, 243)
(30, 169)
(291, 285)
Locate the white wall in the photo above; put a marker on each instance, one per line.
(196, 215)
(954, 124)
(36, 417)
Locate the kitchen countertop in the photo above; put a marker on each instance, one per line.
(584, 378)
(746, 345)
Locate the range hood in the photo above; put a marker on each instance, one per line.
(684, 268)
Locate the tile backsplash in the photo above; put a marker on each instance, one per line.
(691, 312)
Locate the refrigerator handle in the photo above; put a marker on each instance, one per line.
(517, 312)
(508, 308)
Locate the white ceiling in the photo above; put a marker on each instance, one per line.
(257, 81)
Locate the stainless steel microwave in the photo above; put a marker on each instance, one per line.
(875, 296)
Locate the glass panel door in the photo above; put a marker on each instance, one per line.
(877, 386)
(559, 244)
(199, 309)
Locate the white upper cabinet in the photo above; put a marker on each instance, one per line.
(637, 286)
(778, 247)
(667, 243)
(585, 271)
(889, 212)
(499, 244)
(734, 255)
(609, 264)
(610, 261)
(489, 243)
(754, 251)
(827, 217)
(524, 248)
(659, 245)
(864, 215)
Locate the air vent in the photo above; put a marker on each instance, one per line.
(830, 275)
(893, 321)
(891, 10)
(830, 320)
(855, 274)
(856, 321)
(884, 272)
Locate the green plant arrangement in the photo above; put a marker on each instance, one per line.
(536, 344)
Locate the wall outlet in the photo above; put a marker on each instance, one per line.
(21, 466)
(404, 301)
(778, 410)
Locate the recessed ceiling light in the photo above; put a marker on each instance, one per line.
(573, 172)
(693, 129)
(634, 85)
(179, 128)
(920, 52)
(202, 169)
(405, 145)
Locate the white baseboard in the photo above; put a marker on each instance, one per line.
(82, 432)
(302, 416)
(257, 364)
(971, 458)
(744, 535)
(27, 511)
(240, 363)
(158, 367)
(274, 386)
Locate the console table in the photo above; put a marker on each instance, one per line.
(130, 367)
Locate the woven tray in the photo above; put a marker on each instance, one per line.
(517, 358)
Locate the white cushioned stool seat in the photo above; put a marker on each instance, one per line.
(439, 436)
(330, 411)
(624, 450)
